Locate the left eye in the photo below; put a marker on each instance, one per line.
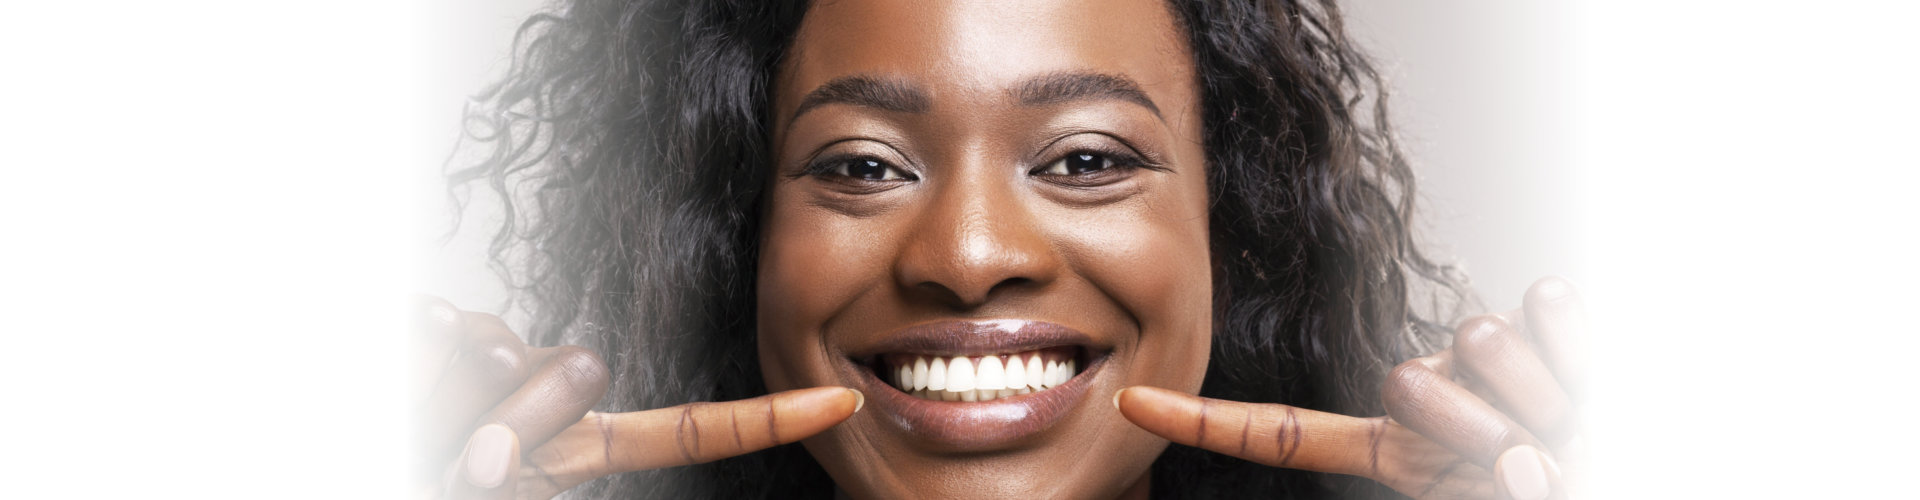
(1077, 164)
(867, 169)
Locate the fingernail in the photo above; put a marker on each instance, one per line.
(442, 314)
(860, 400)
(487, 455)
(1553, 466)
(1116, 397)
(1524, 472)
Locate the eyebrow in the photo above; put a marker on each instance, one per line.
(885, 94)
(899, 96)
(1055, 88)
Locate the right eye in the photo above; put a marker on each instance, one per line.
(865, 169)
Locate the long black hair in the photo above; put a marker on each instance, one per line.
(628, 146)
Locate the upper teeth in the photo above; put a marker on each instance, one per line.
(984, 378)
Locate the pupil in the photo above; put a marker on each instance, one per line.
(867, 170)
(1083, 163)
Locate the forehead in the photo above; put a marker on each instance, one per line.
(964, 49)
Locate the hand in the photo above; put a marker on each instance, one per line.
(501, 419)
(1497, 400)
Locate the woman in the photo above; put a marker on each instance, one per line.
(1122, 203)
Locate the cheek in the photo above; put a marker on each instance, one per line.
(807, 271)
(1153, 260)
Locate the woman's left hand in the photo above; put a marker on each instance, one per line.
(1489, 417)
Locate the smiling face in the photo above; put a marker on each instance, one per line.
(988, 217)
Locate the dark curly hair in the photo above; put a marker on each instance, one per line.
(628, 144)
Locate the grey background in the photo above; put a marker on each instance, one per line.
(1482, 98)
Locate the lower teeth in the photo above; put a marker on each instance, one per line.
(969, 396)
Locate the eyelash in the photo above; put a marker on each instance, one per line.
(837, 166)
(1113, 161)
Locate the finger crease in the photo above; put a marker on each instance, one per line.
(773, 424)
(1373, 445)
(1200, 438)
(1245, 425)
(542, 471)
(1441, 477)
(734, 414)
(1290, 426)
(680, 434)
(606, 439)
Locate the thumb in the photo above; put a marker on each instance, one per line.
(610, 443)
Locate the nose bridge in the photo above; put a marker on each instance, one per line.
(975, 237)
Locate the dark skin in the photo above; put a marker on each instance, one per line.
(929, 167)
(978, 215)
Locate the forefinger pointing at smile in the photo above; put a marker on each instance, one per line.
(1279, 436)
(611, 443)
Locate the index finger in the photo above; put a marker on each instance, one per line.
(1275, 435)
(609, 443)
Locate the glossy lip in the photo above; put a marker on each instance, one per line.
(976, 426)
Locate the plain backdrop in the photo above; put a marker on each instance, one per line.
(214, 212)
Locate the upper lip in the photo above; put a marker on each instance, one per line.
(975, 338)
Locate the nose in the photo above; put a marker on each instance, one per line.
(976, 241)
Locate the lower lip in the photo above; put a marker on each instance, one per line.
(977, 426)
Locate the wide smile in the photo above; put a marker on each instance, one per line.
(980, 378)
(977, 385)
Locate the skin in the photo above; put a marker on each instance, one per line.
(979, 231)
(968, 219)
(1485, 418)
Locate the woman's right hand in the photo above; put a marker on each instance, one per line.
(501, 419)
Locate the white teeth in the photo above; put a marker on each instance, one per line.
(960, 378)
(1016, 372)
(990, 375)
(1036, 373)
(960, 374)
(937, 375)
(919, 373)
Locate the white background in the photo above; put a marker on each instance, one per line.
(213, 212)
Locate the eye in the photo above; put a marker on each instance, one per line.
(864, 169)
(1078, 163)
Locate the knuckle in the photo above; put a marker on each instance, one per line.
(1500, 437)
(583, 370)
(479, 320)
(1404, 382)
(1481, 336)
(1550, 290)
(503, 364)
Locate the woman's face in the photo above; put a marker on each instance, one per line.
(966, 186)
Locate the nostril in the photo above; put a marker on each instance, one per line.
(1013, 283)
(966, 297)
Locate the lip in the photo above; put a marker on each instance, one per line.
(976, 426)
